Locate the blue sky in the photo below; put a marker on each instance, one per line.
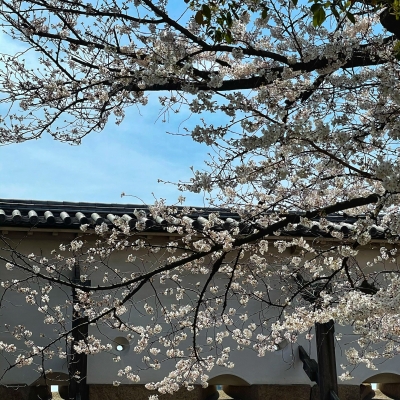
(127, 158)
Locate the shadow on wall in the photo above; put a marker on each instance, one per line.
(388, 383)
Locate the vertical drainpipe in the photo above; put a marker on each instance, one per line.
(327, 374)
(78, 388)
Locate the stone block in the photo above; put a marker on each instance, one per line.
(366, 391)
(239, 392)
(63, 392)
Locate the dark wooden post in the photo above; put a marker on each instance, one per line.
(327, 375)
(78, 388)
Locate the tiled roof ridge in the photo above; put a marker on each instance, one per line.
(67, 215)
(55, 205)
(71, 215)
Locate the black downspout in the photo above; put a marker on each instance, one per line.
(327, 375)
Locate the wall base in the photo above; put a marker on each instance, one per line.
(139, 392)
(346, 392)
(252, 392)
(287, 392)
(268, 392)
(25, 393)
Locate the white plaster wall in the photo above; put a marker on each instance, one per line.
(281, 367)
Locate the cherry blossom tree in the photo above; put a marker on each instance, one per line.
(309, 127)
